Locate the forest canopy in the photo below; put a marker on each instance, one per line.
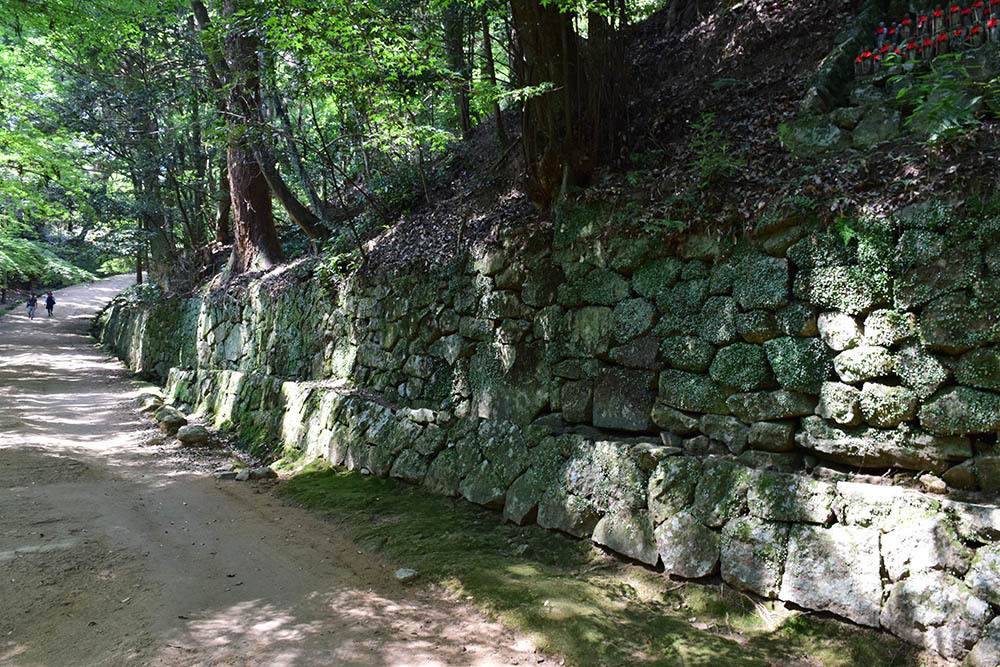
(150, 134)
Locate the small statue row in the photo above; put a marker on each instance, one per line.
(923, 43)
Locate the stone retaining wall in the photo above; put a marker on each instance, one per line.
(708, 406)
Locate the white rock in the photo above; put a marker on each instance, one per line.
(838, 330)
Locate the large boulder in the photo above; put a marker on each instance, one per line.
(848, 557)
(984, 575)
(671, 487)
(721, 492)
(630, 534)
(878, 125)
(800, 364)
(776, 496)
(692, 392)
(623, 398)
(937, 611)
(687, 548)
(922, 544)
(753, 555)
(961, 410)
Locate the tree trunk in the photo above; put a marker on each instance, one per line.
(256, 245)
(223, 225)
(256, 240)
(491, 76)
(453, 20)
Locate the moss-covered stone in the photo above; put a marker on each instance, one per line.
(721, 492)
(885, 406)
(877, 448)
(980, 368)
(865, 362)
(623, 399)
(840, 403)
(654, 279)
(717, 322)
(877, 126)
(633, 318)
(762, 282)
(671, 487)
(800, 364)
(601, 287)
(955, 323)
(741, 366)
(797, 319)
(960, 410)
(691, 392)
(772, 436)
(812, 135)
(919, 370)
(684, 298)
(767, 405)
(730, 431)
(450, 467)
(753, 555)
(888, 327)
(757, 326)
(628, 533)
(588, 331)
(559, 510)
(688, 549)
(687, 353)
(851, 289)
(776, 496)
(672, 420)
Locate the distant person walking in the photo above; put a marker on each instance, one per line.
(32, 304)
(50, 302)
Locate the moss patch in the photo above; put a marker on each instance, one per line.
(569, 597)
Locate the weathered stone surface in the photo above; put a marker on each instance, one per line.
(687, 353)
(962, 476)
(721, 492)
(571, 514)
(577, 401)
(742, 366)
(753, 555)
(410, 466)
(930, 265)
(797, 319)
(878, 125)
(757, 326)
(633, 318)
(687, 548)
(605, 473)
(974, 523)
(766, 405)
(170, 419)
(876, 448)
(684, 298)
(986, 653)
(588, 330)
(865, 362)
(688, 391)
(623, 399)
(937, 611)
(654, 279)
(702, 445)
(813, 135)
(919, 370)
(649, 455)
(730, 431)
(483, 486)
(194, 434)
(450, 467)
(637, 353)
(792, 498)
(984, 575)
(850, 289)
(521, 503)
(762, 282)
(980, 368)
(954, 324)
(885, 406)
(888, 327)
(961, 410)
(772, 436)
(800, 364)
(988, 473)
(779, 461)
(717, 322)
(840, 403)
(923, 544)
(838, 330)
(851, 585)
(628, 533)
(514, 391)
(672, 486)
(673, 420)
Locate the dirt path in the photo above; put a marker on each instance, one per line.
(115, 553)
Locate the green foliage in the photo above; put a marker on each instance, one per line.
(33, 262)
(947, 98)
(713, 161)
